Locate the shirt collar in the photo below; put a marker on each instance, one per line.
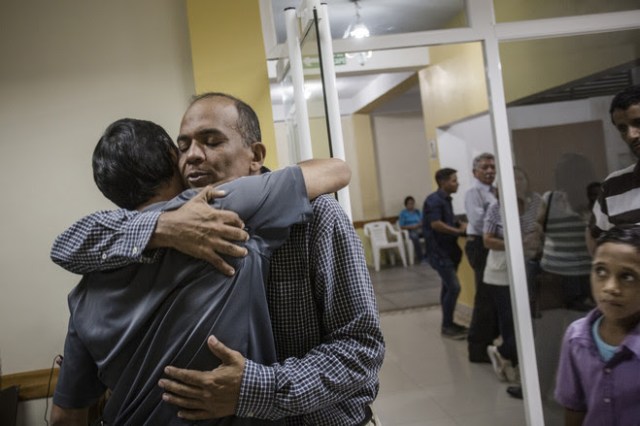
(481, 185)
(443, 194)
(631, 341)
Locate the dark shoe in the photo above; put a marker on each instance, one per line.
(453, 333)
(461, 328)
(515, 391)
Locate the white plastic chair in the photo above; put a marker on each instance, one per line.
(410, 250)
(379, 233)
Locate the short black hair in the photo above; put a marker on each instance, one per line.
(622, 234)
(407, 199)
(623, 100)
(443, 175)
(248, 123)
(131, 160)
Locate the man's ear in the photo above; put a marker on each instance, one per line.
(259, 153)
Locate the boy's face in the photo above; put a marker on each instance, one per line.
(615, 281)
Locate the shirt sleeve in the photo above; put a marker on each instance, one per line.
(475, 209)
(433, 210)
(599, 220)
(402, 218)
(492, 219)
(344, 365)
(569, 392)
(78, 384)
(106, 240)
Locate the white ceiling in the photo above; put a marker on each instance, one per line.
(381, 17)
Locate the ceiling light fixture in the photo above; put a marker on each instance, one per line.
(357, 30)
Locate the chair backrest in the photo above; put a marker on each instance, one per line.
(377, 232)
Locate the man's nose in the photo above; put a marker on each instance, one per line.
(195, 153)
(634, 132)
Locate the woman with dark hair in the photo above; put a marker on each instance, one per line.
(410, 219)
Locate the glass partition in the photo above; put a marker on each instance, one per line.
(314, 91)
(558, 92)
(520, 10)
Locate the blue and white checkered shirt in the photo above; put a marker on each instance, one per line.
(322, 306)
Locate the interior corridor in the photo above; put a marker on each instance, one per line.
(426, 380)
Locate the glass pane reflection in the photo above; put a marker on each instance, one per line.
(520, 10)
(559, 91)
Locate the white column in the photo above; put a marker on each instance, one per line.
(481, 16)
(297, 77)
(331, 98)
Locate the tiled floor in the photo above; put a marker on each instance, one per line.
(410, 287)
(427, 380)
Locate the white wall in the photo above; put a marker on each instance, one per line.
(403, 160)
(69, 68)
(458, 145)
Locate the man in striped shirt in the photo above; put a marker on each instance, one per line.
(619, 201)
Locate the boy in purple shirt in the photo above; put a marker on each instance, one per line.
(598, 379)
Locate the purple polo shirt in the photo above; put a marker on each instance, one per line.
(608, 391)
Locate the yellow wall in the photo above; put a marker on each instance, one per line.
(452, 87)
(228, 56)
(360, 154)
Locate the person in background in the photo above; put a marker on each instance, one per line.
(618, 202)
(410, 219)
(565, 256)
(484, 322)
(598, 381)
(504, 357)
(441, 230)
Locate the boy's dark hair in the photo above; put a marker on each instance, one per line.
(443, 175)
(248, 123)
(407, 199)
(131, 160)
(628, 97)
(623, 234)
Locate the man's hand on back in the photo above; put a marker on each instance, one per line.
(206, 394)
(201, 231)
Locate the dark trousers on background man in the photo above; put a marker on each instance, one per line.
(484, 320)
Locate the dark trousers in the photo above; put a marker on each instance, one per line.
(446, 268)
(501, 298)
(417, 246)
(484, 319)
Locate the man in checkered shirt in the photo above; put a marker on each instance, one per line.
(323, 311)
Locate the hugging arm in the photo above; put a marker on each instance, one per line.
(61, 416)
(338, 367)
(112, 239)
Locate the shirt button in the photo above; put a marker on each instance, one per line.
(607, 400)
(607, 371)
(135, 250)
(104, 256)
